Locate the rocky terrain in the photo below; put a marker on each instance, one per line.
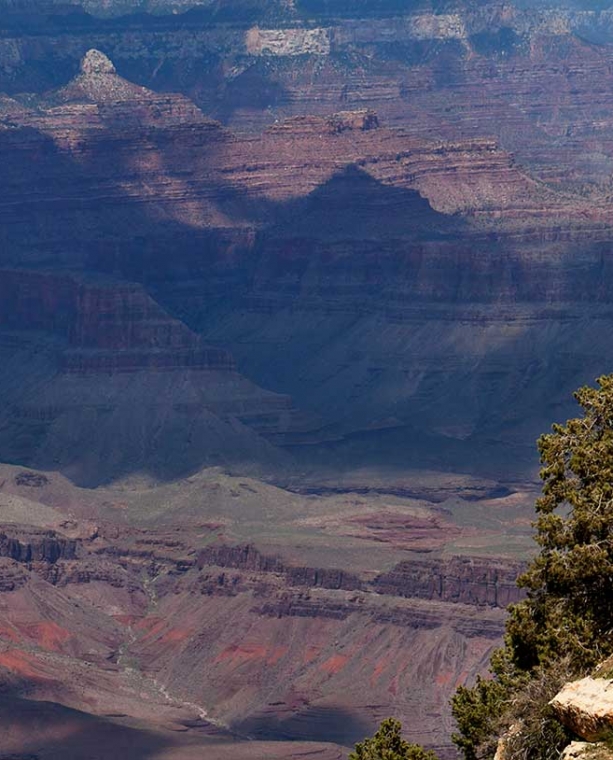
(142, 627)
(583, 707)
(535, 75)
(222, 613)
(286, 293)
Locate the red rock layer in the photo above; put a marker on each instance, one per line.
(110, 327)
(539, 79)
(259, 676)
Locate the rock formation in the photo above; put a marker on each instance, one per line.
(339, 262)
(371, 248)
(584, 750)
(274, 639)
(64, 601)
(155, 372)
(586, 708)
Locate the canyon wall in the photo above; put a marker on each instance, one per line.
(105, 370)
(464, 580)
(361, 270)
(535, 77)
(325, 243)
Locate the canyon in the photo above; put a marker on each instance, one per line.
(275, 291)
(223, 643)
(287, 292)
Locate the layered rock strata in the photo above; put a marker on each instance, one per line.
(156, 606)
(460, 579)
(115, 360)
(356, 268)
(534, 77)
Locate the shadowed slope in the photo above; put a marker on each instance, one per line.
(429, 290)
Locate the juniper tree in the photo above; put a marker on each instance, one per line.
(569, 608)
(388, 744)
(567, 616)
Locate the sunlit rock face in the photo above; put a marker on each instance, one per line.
(535, 77)
(95, 63)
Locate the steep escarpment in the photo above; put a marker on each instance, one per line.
(462, 580)
(360, 270)
(364, 252)
(534, 77)
(37, 547)
(107, 325)
(458, 580)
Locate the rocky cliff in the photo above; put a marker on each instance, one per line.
(458, 580)
(533, 76)
(113, 335)
(360, 249)
(41, 547)
(361, 270)
(462, 579)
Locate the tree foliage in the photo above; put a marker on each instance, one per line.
(388, 744)
(477, 712)
(567, 616)
(569, 609)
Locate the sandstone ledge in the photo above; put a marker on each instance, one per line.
(586, 707)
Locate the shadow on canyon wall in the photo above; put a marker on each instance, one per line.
(313, 297)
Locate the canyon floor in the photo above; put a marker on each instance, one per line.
(219, 613)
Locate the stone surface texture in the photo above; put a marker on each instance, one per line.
(585, 750)
(586, 707)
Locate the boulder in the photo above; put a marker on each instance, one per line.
(586, 707)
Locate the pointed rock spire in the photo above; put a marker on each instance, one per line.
(95, 62)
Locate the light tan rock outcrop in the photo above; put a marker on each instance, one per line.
(586, 751)
(502, 748)
(95, 62)
(586, 707)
